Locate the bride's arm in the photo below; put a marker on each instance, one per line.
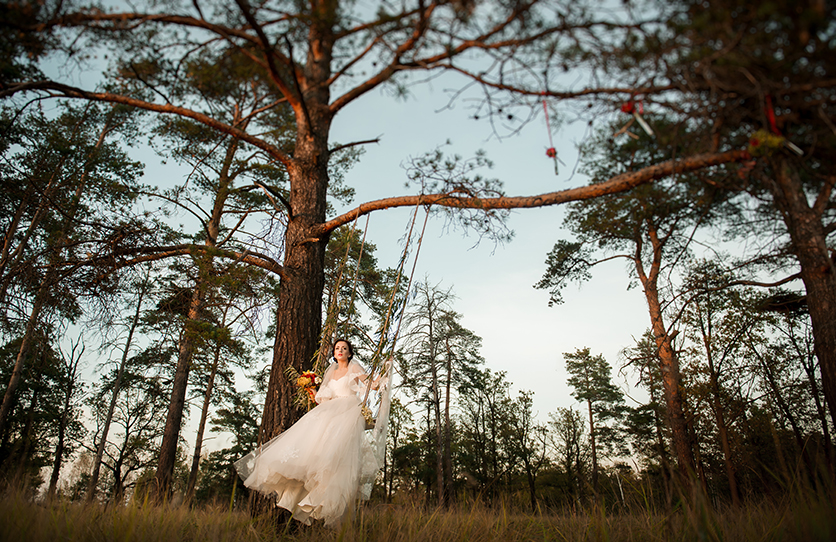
(324, 392)
(376, 383)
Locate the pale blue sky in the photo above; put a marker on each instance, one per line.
(494, 284)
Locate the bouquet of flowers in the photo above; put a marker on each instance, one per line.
(368, 416)
(307, 384)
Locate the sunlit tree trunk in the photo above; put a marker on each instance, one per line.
(204, 414)
(669, 364)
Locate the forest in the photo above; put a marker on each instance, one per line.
(151, 329)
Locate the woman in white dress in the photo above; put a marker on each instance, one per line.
(316, 467)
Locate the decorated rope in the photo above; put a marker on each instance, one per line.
(551, 152)
(403, 307)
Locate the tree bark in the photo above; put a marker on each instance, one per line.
(705, 325)
(439, 439)
(204, 413)
(26, 436)
(171, 434)
(818, 272)
(723, 431)
(72, 374)
(174, 419)
(787, 412)
(49, 277)
(810, 369)
(594, 450)
(448, 459)
(668, 363)
(25, 347)
(299, 312)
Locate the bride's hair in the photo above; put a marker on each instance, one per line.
(350, 348)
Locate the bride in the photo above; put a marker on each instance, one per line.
(316, 468)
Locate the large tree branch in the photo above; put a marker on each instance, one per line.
(483, 42)
(269, 51)
(151, 254)
(121, 22)
(592, 92)
(67, 91)
(619, 183)
(759, 284)
(386, 73)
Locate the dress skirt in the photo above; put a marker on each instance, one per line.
(314, 468)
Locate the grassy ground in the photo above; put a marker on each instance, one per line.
(809, 517)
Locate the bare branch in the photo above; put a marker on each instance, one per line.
(151, 254)
(73, 92)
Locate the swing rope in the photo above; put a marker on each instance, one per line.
(356, 274)
(333, 314)
(391, 301)
(409, 284)
(383, 330)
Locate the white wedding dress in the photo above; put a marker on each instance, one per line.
(316, 468)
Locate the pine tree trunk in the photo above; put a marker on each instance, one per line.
(439, 439)
(818, 272)
(49, 277)
(72, 369)
(669, 364)
(822, 415)
(204, 413)
(448, 459)
(171, 434)
(26, 436)
(594, 450)
(787, 412)
(723, 431)
(299, 310)
(25, 347)
(174, 419)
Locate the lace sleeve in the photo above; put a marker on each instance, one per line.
(358, 378)
(325, 393)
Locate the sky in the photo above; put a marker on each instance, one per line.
(494, 284)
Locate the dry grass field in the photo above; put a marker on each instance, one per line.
(807, 516)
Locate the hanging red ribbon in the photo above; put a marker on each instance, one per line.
(773, 126)
(770, 115)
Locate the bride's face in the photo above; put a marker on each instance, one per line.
(341, 351)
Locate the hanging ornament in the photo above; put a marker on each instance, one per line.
(636, 109)
(773, 126)
(551, 152)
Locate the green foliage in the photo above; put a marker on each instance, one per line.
(567, 262)
(27, 444)
(138, 420)
(436, 173)
(591, 378)
(68, 186)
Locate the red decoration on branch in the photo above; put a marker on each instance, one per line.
(770, 115)
(551, 152)
(636, 109)
(773, 126)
